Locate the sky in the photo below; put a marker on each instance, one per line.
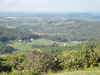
(49, 6)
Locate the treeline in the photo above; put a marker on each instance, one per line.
(7, 34)
(5, 48)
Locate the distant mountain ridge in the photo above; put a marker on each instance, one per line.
(95, 15)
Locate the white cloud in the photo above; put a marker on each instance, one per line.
(23, 5)
(49, 5)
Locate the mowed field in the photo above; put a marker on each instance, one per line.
(78, 73)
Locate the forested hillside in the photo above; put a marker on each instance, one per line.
(76, 27)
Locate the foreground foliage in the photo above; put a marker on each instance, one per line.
(39, 61)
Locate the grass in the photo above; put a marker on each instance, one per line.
(22, 46)
(62, 73)
(77, 73)
(25, 46)
(42, 42)
(38, 42)
(20, 73)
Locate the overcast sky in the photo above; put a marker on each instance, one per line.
(50, 6)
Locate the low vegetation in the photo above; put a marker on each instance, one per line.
(38, 61)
